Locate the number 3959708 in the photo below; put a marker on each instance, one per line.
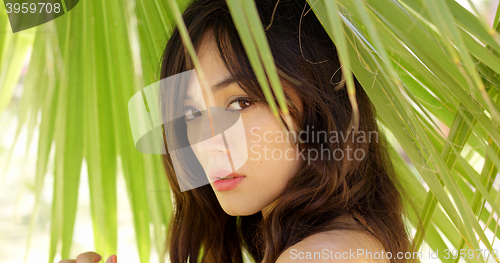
(33, 8)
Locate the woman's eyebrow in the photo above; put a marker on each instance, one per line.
(219, 86)
(223, 84)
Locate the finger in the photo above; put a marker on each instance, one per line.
(67, 261)
(111, 259)
(88, 257)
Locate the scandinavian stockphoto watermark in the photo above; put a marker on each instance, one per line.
(355, 254)
(263, 140)
(201, 138)
(352, 254)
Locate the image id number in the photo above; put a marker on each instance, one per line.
(32, 8)
(469, 253)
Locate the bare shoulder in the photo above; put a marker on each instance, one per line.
(343, 246)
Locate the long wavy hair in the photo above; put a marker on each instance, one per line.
(322, 191)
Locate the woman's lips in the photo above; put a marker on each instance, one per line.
(228, 184)
(225, 184)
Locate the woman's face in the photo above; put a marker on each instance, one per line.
(255, 151)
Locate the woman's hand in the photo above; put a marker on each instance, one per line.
(89, 257)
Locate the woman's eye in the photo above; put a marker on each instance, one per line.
(240, 104)
(191, 113)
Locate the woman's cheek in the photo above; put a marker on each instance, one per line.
(255, 143)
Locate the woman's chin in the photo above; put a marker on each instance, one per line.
(240, 211)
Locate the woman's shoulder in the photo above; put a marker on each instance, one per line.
(336, 246)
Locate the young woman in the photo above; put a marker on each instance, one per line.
(286, 202)
(276, 208)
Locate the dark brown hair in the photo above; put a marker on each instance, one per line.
(322, 191)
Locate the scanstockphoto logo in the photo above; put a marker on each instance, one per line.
(200, 141)
(204, 143)
(25, 14)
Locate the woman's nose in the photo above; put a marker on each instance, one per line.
(212, 145)
(209, 134)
